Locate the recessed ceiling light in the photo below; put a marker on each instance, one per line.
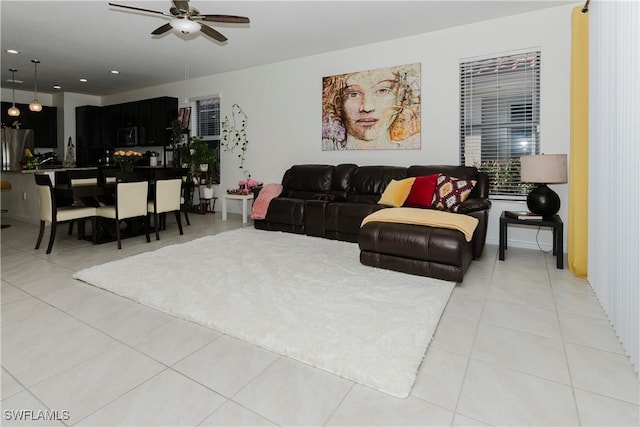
(57, 87)
(115, 72)
(83, 80)
(15, 52)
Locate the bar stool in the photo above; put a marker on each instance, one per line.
(5, 186)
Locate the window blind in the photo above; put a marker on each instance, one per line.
(205, 123)
(500, 117)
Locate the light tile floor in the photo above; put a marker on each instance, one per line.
(520, 343)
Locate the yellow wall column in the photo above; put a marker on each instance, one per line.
(579, 165)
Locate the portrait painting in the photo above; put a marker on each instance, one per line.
(372, 110)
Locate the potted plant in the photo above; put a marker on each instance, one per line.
(197, 156)
(207, 190)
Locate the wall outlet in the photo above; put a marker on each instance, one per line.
(24, 196)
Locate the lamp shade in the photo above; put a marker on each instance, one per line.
(544, 168)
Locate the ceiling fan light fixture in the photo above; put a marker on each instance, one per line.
(185, 25)
(13, 110)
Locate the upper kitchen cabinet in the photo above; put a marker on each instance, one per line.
(130, 114)
(155, 118)
(88, 135)
(110, 122)
(43, 123)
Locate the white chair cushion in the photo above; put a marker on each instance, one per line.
(106, 211)
(71, 212)
(44, 194)
(167, 195)
(131, 199)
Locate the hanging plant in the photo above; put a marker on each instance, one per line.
(234, 135)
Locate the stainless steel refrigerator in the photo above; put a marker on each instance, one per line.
(14, 142)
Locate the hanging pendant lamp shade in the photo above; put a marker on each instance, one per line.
(35, 105)
(13, 110)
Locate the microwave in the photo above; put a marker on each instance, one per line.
(127, 136)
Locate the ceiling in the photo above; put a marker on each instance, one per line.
(88, 39)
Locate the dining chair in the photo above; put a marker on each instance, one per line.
(186, 193)
(167, 198)
(78, 178)
(50, 212)
(130, 203)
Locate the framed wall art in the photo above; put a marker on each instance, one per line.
(372, 110)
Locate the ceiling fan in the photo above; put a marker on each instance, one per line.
(188, 19)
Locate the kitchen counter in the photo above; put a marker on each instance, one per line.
(22, 200)
(48, 169)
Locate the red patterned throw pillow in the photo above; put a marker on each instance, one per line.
(421, 194)
(450, 192)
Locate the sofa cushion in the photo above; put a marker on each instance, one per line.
(306, 181)
(421, 194)
(374, 179)
(451, 192)
(396, 192)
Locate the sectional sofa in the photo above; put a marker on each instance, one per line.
(332, 201)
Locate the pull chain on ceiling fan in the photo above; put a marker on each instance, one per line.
(188, 19)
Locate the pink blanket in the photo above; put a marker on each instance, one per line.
(261, 204)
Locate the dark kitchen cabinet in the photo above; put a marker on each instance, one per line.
(98, 126)
(155, 116)
(165, 110)
(145, 122)
(44, 123)
(130, 114)
(110, 121)
(88, 135)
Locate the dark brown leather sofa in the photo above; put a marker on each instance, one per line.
(331, 201)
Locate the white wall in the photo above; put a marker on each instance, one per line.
(283, 100)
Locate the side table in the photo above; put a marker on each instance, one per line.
(554, 222)
(244, 197)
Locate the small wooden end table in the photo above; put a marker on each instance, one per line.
(553, 222)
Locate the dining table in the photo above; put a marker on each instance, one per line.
(93, 193)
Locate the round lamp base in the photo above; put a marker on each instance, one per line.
(543, 201)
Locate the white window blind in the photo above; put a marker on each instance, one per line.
(205, 118)
(500, 117)
(205, 123)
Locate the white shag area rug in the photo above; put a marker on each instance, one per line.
(303, 297)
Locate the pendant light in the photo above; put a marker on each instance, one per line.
(35, 106)
(13, 110)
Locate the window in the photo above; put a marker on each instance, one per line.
(205, 123)
(500, 118)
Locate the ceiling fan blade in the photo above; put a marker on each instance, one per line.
(212, 33)
(231, 19)
(138, 8)
(163, 29)
(181, 5)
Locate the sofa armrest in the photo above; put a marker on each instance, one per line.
(256, 191)
(473, 205)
